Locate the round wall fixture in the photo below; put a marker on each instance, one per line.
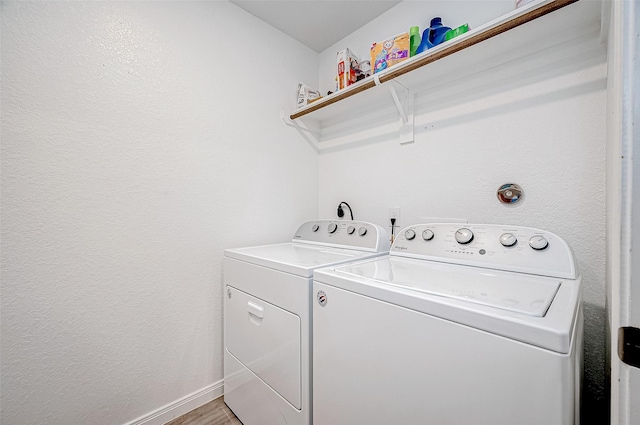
(510, 193)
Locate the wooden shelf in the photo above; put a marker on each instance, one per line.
(415, 70)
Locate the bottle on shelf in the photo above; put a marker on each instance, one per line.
(414, 40)
(433, 35)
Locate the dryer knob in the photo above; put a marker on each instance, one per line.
(508, 239)
(409, 235)
(350, 230)
(427, 235)
(464, 236)
(333, 227)
(362, 231)
(538, 242)
(315, 227)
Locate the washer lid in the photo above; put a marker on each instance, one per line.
(519, 293)
(536, 310)
(296, 258)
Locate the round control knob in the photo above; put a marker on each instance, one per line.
(538, 242)
(464, 236)
(409, 234)
(508, 239)
(315, 227)
(427, 235)
(333, 227)
(362, 231)
(350, 230)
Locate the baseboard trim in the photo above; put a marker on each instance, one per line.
(181, 406)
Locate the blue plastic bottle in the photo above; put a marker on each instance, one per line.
(433, 35)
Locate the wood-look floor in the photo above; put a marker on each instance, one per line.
(213, 413)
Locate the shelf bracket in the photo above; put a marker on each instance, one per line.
(403, 99)
(311, 136)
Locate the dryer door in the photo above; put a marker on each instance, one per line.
(266, 339)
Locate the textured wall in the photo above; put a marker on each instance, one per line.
(139, 139)
(538, 122)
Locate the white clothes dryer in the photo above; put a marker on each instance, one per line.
(477, 325)
(267, 356)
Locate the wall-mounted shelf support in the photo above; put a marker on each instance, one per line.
(403, 99)
(311, 136)
(400, 96)
(285, 119)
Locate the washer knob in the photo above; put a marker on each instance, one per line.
(427, 235)
(362, 231)
(508, 239)
(315, 227)
(464, 236)
(538, 242)
(350, 230)
(409, 235)
(333, 227)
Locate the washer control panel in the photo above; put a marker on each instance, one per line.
(511, 248)
(360, 235)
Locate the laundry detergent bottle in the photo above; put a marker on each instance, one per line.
(414, 40)
(433, 35)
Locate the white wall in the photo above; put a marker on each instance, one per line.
(139, 139)
(538, 122)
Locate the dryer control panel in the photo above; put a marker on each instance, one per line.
(511, 248)
(350, 234)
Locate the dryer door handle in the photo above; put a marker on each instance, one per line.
(255, 309)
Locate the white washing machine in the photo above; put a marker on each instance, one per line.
(480, 325)
(267, 356)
